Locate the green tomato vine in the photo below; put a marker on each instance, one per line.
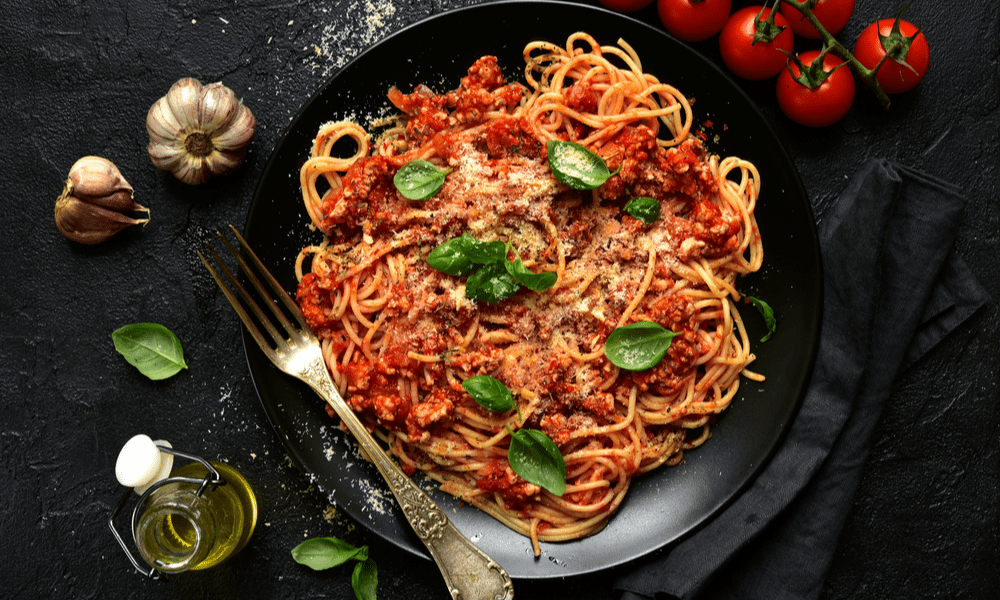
(833, 44)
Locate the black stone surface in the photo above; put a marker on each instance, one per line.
(77, 78)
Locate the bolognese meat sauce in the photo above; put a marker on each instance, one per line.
(500, 188)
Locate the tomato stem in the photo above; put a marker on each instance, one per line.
(867, 75)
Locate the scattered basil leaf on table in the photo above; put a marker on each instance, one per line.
(534, 281)
(364, 580)
(490, 393)
(638, 346)
(492, 283)
(419, 179)
(765, 311)
(644, 208)
(536, 459)
(575, 166)
(151, 348)
(327, 552)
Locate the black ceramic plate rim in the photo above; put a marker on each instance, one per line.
(315, 445)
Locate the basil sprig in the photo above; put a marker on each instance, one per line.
(765, 311)
(327, 552)
(492, 283)
(490, 393)
(151, 348)
(493, 278)
(419, 179)
(573, 165)
(644, 208)
(459, 256)
(638, 346)
(529, 279)
(536, 459)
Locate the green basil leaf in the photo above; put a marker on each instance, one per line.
(484, 253)
(364, 580)
(452, 257)
(490, 393)
(326, 552)
(460, 255)
(638, 346)
(419, 179)
(765, 311)
(492, 283)
(575, 166)
(537, 459)
(534, 281)
(151, 348)
(645, 209)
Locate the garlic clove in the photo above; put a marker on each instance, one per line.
(162, 126)
(239, 134)
(218, 108)
(221, 163)
(88, 223)
(166, 156)
(193, 170)
(93, 202)
(184, 99)
(98, 181)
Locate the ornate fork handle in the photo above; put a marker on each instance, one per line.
(462, 564)
(468, 572)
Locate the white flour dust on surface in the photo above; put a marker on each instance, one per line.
(356, 25)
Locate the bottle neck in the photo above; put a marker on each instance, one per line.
(177, 529)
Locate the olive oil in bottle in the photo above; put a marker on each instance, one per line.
(182, 530)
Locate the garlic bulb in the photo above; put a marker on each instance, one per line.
(93, 202)
(198, 131)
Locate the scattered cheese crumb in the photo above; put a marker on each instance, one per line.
(338, 45)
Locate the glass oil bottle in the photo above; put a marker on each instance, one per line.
(189, 518)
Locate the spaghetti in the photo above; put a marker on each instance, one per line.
(399, 337)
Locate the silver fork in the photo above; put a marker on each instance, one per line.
(468, 572)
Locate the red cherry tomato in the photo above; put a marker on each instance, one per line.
(626, 5)
(744, 57)
(693, 21)
(822, 106)
(893, 77)
(833, 15)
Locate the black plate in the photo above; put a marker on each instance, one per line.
(664, 505)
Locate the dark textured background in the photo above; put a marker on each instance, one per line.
(77, 78)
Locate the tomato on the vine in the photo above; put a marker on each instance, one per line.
(626, 6)
(907, 48)
(819, 94)
(833, 15)
(753, 40)
(693, 20)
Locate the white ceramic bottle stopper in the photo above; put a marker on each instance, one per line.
(141, 463)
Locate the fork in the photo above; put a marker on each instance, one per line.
(468, 572)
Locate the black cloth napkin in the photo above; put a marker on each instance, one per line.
(893, 288)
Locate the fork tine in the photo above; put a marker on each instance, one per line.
(278, 338)
(255, 280)
(235, 303)
(286, 300)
